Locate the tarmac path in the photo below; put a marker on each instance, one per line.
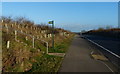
(78, 58)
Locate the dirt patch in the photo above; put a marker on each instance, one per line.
(99, 57)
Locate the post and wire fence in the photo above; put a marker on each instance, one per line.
(18, 33)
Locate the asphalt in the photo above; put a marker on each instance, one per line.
(78, 58)
(112, 44)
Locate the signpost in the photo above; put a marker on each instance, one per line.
(52, 22)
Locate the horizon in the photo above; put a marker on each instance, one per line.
(74, 16)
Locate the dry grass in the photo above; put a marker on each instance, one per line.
(21, 57)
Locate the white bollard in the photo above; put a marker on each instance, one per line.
(8, 44)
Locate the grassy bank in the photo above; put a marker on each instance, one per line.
(22, 58)
(61, 47)
(50, 63)
(46, 63)
(24, 47)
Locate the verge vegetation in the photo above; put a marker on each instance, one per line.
(21, 56)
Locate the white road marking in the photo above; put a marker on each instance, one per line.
(106, 65)
(106, 50)
(103, 48)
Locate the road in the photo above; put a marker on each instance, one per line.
(111, 44)
(78, 58)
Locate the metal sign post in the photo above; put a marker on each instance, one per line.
(52, 22)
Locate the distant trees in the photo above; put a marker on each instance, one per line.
(23, 20)
(6, 19)
(18, 20)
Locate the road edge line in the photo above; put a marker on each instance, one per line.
(103, 48)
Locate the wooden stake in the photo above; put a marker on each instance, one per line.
(8, 44)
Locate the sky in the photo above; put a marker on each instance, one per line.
(60, 0)
(73, 16)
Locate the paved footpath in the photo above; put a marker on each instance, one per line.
(78, 58)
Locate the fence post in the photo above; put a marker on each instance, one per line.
(15, 23)
(37, 37)
(8, 44)
(26, 38)
(15, 35)
(21, 31)
(12, 25)
(18, 26)
(6, 28)
(41, 36)
(47, 48)
(33, 41)
(2, 21)
(26, 32)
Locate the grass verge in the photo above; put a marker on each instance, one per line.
(46, 63)
(61, 47)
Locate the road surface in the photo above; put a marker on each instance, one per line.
(111, 44)
(78, 58)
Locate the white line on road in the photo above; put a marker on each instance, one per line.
(103, 48)
(102, 61)
(106, 65)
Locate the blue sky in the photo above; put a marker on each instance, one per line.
(59, 0)
(74, 16)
